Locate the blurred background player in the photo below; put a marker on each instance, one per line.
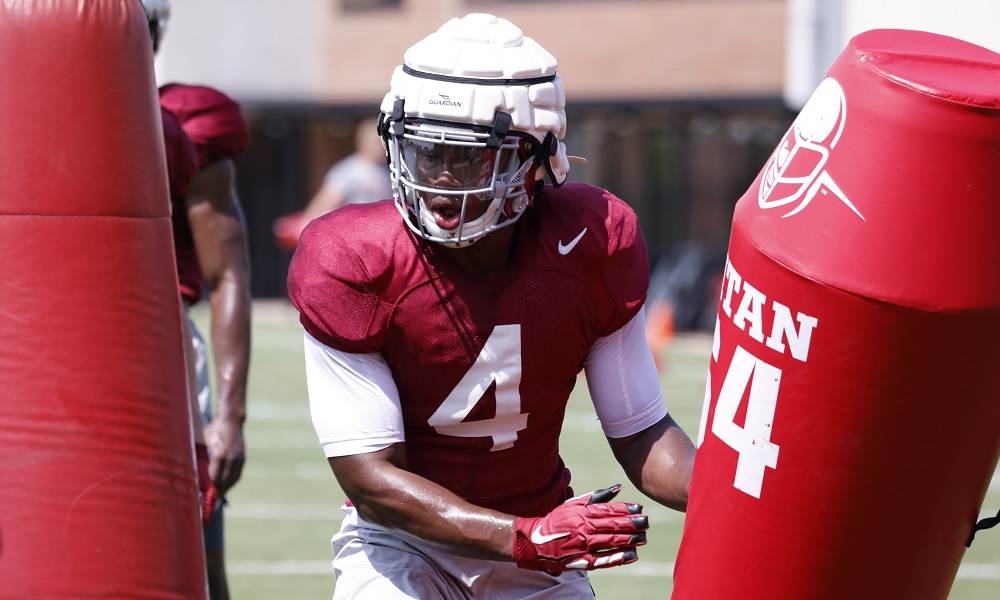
(212, 255)
(441, 347)
(182, 164)
(361, 177)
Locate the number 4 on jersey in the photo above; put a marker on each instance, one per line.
(500, 361)
(752, 441)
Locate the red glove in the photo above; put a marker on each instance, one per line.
(586, 532)
(287, 230)
(207, 493)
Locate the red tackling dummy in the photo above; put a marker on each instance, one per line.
(99, 496)
(851, 422)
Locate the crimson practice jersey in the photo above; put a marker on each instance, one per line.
(182, 159)
(215, 126)
(484, 366)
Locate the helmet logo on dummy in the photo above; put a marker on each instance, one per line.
(796, 170)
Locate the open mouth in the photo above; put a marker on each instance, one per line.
(447, 211)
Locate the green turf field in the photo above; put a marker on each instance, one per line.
(286, 507)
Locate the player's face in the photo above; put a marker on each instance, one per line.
(450, 170)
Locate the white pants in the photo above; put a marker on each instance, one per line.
(201, 368)
(372, 563)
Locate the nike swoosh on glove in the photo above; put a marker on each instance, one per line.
(586, 532)
(207, 493)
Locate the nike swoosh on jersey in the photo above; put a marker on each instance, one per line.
(565, 249)
(538, 538)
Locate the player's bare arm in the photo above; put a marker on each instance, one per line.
(385, 493)
(658, 460)
(322, 202)
(584, 533)
(217, 225)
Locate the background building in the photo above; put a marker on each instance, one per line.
(676, 104)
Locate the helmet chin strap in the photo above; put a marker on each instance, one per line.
(548, 149)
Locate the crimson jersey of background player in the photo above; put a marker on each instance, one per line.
(441, 347)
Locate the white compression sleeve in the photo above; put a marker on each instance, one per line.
(353, 400)
(624, 384)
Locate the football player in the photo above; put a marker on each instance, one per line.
(182, 164)
(211, 251)
(444, 332)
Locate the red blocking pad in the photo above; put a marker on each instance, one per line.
(99, 496)
(852, 420)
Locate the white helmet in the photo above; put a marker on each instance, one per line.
(472, 112)
(157, 13)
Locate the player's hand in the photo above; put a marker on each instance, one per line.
(586, 532)
(228, 453)
(287, 230)
(207, 494)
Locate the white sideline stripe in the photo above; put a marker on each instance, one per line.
(978, 571)
(639, 569)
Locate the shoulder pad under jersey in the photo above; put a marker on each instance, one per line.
(594, 232)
